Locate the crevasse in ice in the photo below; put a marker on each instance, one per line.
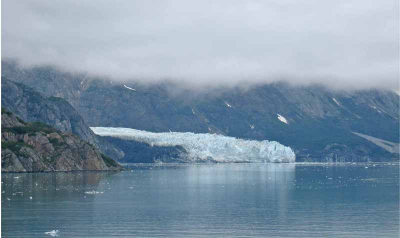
(207, 147)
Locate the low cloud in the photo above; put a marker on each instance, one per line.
(344, 44)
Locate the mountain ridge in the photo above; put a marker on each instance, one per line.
(319, 122)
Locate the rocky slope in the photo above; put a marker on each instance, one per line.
(36, 147)
(32, 106)
(139, 152)
(319, 124)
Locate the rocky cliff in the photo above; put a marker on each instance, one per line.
(32, 106)
(36, 147)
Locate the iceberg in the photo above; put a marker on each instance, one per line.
(207, 147)
(93, 192)
(52, 233)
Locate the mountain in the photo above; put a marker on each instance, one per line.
(140, 152)
(32, 106)
(318, 123)
(37, 147)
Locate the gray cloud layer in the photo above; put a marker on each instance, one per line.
(341, 43)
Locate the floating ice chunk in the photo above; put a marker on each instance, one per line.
(93, 192)
(16, 177)
(227, 104)
(282, 119)
(193, 112)
(52, 233)
(30, 198)
(129, 88)
(207, 147)
(252, 127)
(336, 101)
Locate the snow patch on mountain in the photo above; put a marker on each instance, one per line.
(282, 119)
(375, 108)
(334, 99)
(129, 88)
(207, 147)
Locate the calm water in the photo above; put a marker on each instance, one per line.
(219, 200)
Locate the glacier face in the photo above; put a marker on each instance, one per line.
(207, 147)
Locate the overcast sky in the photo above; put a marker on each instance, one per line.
(339, 43)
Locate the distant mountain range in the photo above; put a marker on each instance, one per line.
(319, 124)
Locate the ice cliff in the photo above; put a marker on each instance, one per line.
(207, 147)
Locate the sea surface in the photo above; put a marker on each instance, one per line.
(206, 200)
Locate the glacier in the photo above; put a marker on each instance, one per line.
(207, 147)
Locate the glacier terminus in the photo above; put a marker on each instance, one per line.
(207, 147)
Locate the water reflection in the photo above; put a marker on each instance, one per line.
(57, 186)
(217, 200)
(254, 184)
(183, 200)
(35, 203)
